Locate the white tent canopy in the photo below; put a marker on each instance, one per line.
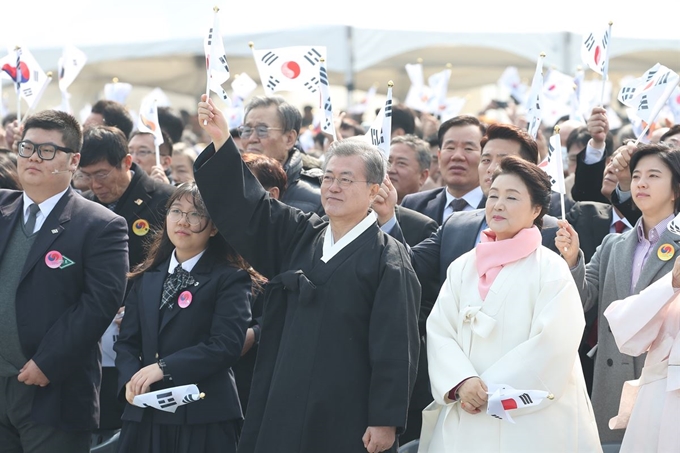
(160, 43)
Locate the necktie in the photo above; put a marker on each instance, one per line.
(33, 210)
(174, 282)
(619, 226)
(458, 204)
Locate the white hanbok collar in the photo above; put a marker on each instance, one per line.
(332, 248)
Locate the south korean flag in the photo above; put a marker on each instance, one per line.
(290, 68)
(534, 101)
(503, 399)
(168, 400)
(380, 133)
(648, 94)
(215, 59)
(327, 125)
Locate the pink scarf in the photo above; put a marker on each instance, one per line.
(492, 255)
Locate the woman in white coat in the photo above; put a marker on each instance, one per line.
(508, 314)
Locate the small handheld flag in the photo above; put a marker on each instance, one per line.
(217, 68)
(327, 125)
(503, 399)
(148, 122)
(534, 101)
(553, 165)
(168, 400)
(117, 91)
(380, 133)
(289, 68)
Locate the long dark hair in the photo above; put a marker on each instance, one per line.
(159, 248)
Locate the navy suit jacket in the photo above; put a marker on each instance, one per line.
(432, 203)
(199, 343)
(62, 313)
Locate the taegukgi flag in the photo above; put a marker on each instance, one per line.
(534, 101)
(595, 50)
(380, 133)
(648, 94)
(503, 399)
(327, 124)
(289, 68)
(22, 68)
(215, 59)
(168, 400)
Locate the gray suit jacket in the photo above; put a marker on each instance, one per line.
(606, 278)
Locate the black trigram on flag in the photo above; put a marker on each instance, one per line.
(189, 399)
(327, 105)
(272, 82)
(650, 76)
(210, 36)
(662, 80)
(323, 76)
(27, 92)
(388, 108)
(526, 399)
(223, 60)
(311, 84)
(589, 42)
(376, 137)
(627, 93)
(166, 400)
(269, 58)
(496, 416)
(644, 105)
(313, 56)
(605, 39)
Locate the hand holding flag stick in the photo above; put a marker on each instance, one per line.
(217, 68)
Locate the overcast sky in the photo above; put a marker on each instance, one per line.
(50, 23)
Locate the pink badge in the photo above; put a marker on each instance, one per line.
(54, 259)
(184, 299)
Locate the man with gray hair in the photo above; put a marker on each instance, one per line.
(338, 351)
(409, 164)
(271, 127)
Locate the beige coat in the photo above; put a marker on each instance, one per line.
(525, 334)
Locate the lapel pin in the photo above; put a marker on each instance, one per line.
(55, 231)
(184, 299)
(196, 284)
(54, 259)
(665, 252)
(138, 201)
(140, 227)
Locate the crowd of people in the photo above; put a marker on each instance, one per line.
(331, 299)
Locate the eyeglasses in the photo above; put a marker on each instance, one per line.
(342, 182)
(46, 151)
(261, 131)
(193, 217)
(100, 176)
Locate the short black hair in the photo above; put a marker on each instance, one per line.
(670, 157)
(103, 143)
(171, 122)
(459, 121)
(54, 120)
(166, 147)
(528, 147)
(404, 118)
(115, 114)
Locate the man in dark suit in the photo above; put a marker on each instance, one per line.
(124, 187)
(63, 264)
(459, 151)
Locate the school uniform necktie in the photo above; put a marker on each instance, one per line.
(174, 282)
(33, 211)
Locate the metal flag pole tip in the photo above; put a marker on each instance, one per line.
(557, 129)
(551, 396)
(49, 74)
(201, 395)
(611, 23)
(449, 66)
(17, 48)
(115, 80)
(542, 54)
(390, 84)
(322, 60)
(215, 8)
(251, 44)
(419, 60)
(579, 68)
